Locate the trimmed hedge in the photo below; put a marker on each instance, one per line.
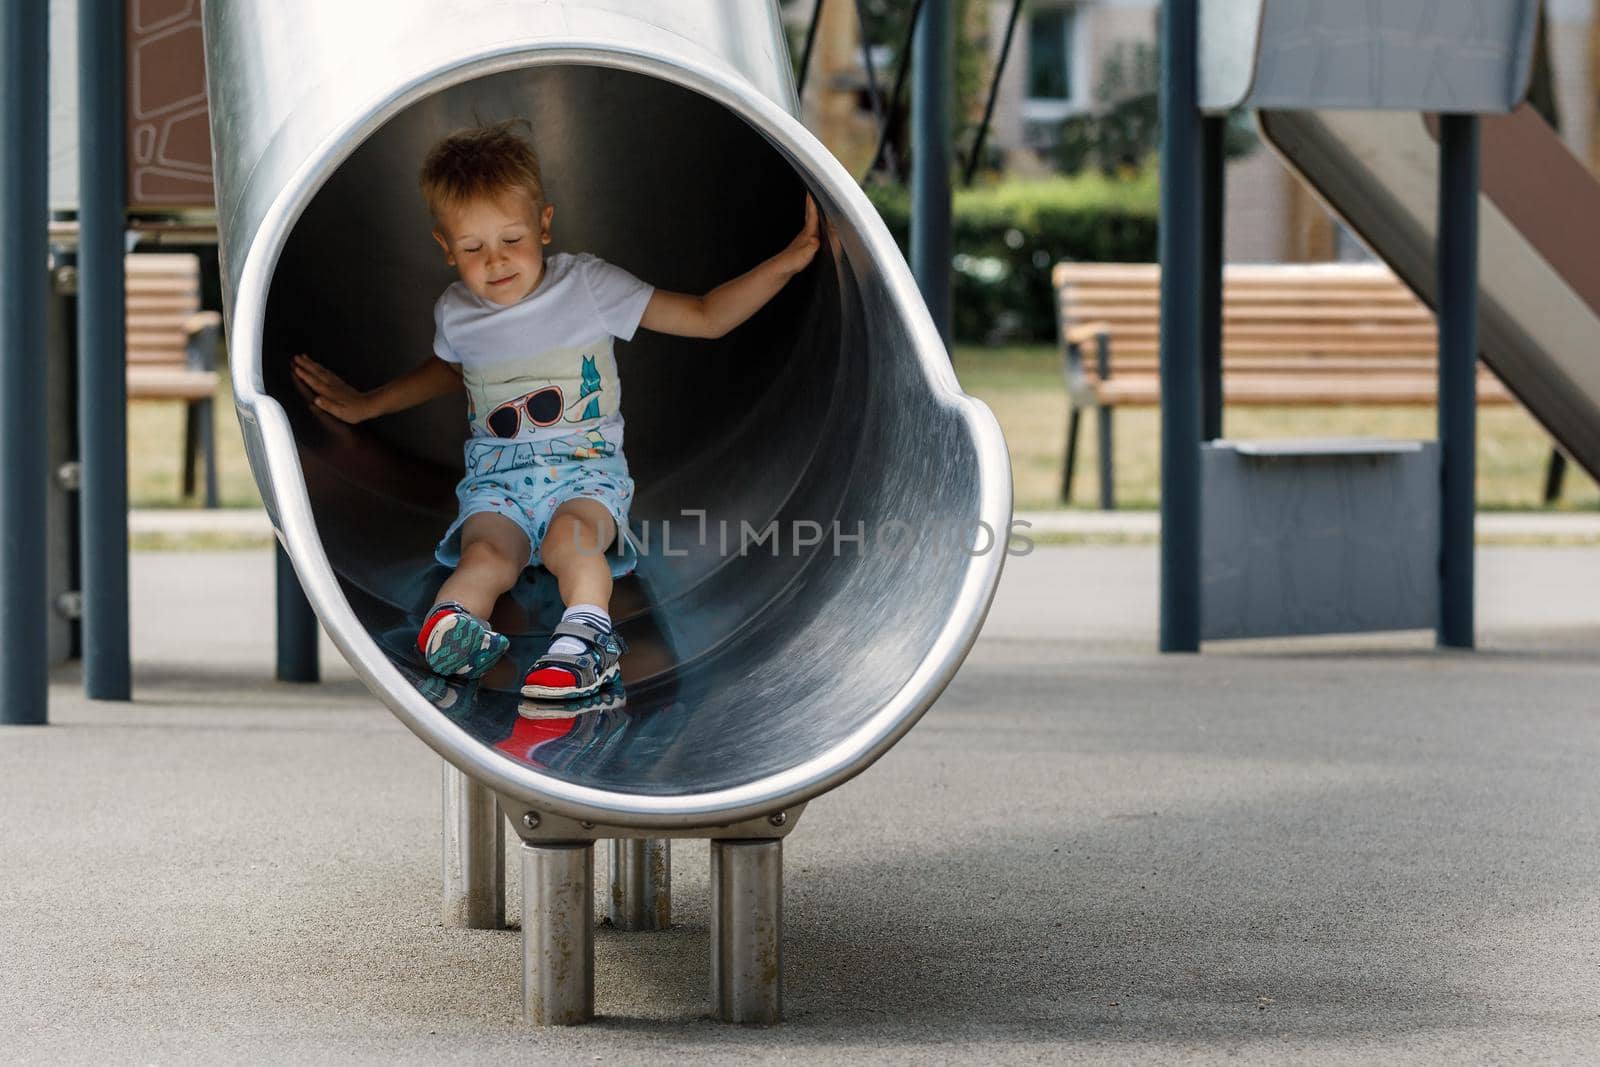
(1007, 237)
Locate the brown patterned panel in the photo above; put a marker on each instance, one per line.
(169, 136)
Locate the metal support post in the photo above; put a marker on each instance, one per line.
(297, 626)
(24, 289)
(558, 932)
(641, 883)
(747, 930)
(932, 74)
(1213, 177)
(1181, 197)
(102, 349)
(65, 540)
(474, 854)
(1458, 373)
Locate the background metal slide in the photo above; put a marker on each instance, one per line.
(1539, 244)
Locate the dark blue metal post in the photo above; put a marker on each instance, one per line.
(102, 349)
(1213, 203)
(297, 626)
(933, 72)
(1182, 195)
(1458, 373)
(24, 293)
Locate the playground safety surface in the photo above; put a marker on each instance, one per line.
(1340, 848)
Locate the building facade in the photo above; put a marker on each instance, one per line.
(1074, 57)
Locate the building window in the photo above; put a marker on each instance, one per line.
(1051, 58)
(1055, 76)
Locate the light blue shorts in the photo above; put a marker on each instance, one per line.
(526, 486)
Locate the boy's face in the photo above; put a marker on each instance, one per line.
(497, 244)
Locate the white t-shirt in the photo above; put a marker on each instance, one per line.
(543, 369)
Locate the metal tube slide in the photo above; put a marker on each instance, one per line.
(813, 489)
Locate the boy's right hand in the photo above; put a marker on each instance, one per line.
(331, 393)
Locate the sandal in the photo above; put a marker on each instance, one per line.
(456, 642)
(560, 676)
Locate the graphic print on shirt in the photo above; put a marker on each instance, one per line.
(563, 401)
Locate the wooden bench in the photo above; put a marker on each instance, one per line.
(173, 350)
(1292, 334)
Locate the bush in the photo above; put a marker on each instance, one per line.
(1008, 236)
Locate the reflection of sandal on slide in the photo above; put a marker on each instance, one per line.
(456, 642)
(562, 676)
(609, 697)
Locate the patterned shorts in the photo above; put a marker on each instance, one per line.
(526, 486)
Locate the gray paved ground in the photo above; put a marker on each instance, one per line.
(1339, 849)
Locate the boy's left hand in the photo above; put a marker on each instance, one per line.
(798, 255)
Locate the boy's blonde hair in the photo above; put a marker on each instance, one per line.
(480, 161)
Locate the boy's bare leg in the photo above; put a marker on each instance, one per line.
(494, 550)
(574, 549)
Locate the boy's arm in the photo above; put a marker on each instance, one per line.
(343, 401)
(731, 303)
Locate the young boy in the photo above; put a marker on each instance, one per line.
(529, 336)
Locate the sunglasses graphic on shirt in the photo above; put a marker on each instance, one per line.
(541, 408)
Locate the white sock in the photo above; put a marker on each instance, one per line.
(591, 614)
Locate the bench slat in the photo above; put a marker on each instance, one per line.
(1290, 365)
(1234, 312)
(150, 383)
(1376, 350)
(1077, 294)
(1294, 391)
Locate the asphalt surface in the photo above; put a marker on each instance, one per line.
(1339, 849)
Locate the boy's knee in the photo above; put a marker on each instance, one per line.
(569, 531)
(486, 554)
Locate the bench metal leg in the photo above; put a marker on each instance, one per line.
(747, 930)
(191, 440)
(473, 854)
(1071, 462)
(558, 933)
(1108, 491)
(1555, 473)
(200, 441)
(208, 445)
(641, 883)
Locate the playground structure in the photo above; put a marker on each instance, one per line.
(763, 673)
(1341, 91)
(726, 732)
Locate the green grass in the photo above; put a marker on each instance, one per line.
(1023, 386)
